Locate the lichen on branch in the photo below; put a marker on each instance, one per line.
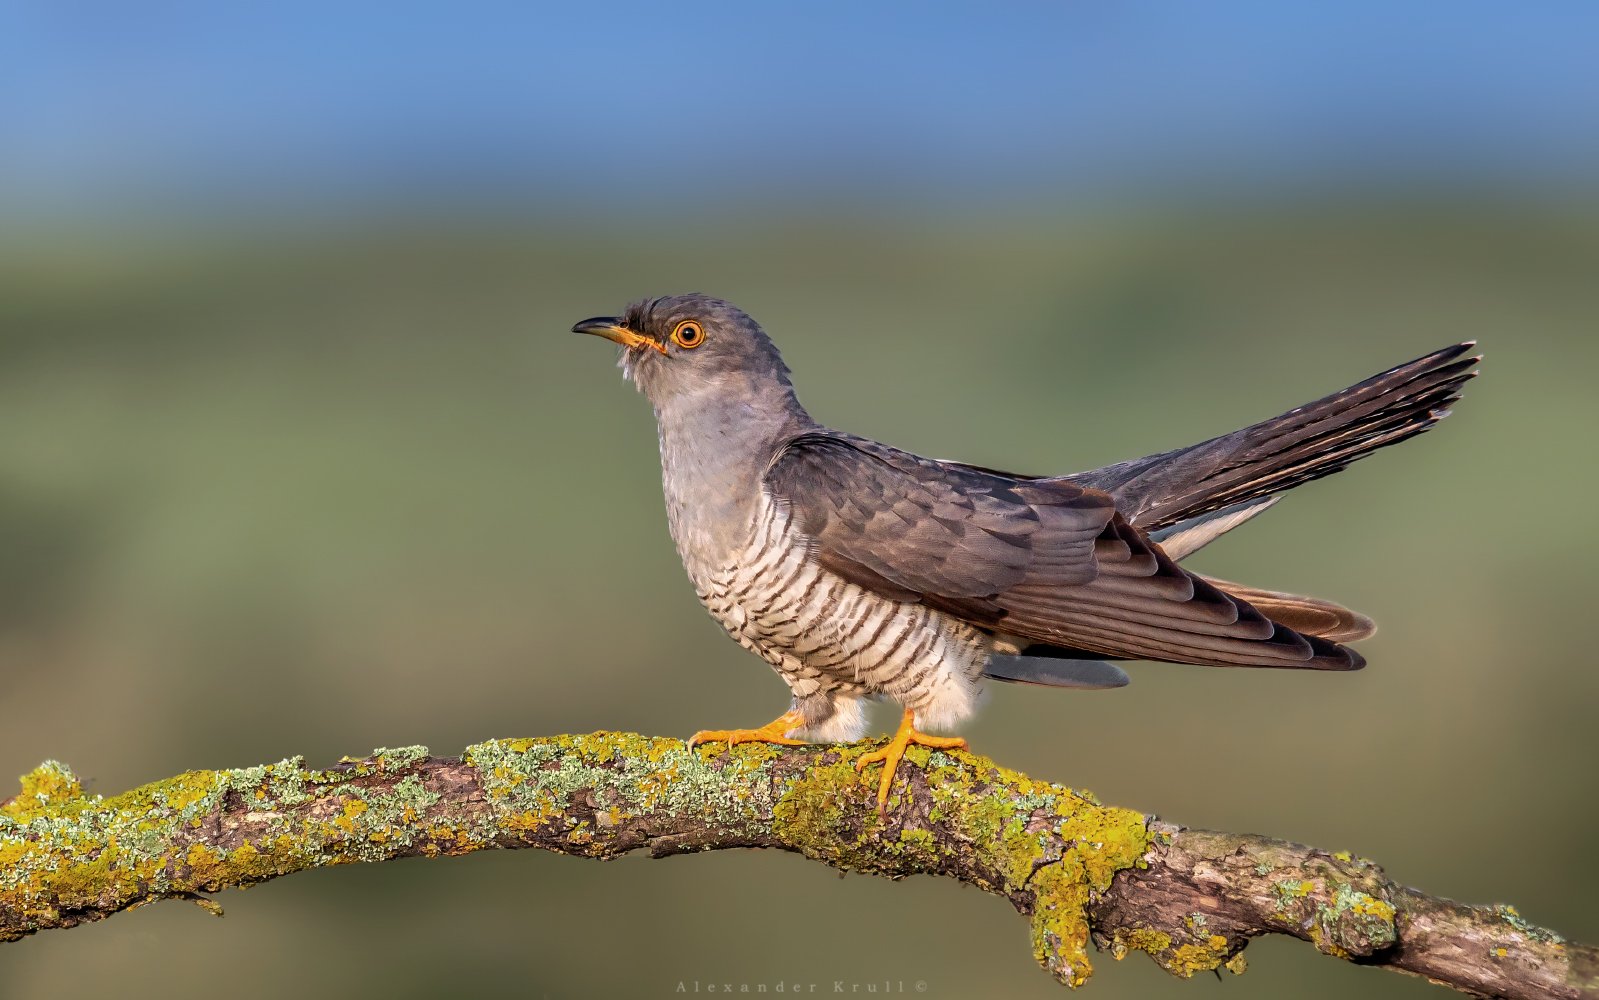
(1081, 871)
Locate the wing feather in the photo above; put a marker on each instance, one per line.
(1049, 561)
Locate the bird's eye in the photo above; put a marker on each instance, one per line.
(688, 334)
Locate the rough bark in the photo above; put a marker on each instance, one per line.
(1079, 870)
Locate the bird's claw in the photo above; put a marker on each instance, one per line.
(775, 731)
(890, 755)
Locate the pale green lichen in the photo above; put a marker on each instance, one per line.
(1047, 847)
(1353, 923)
(1287, 890)
(1340, 917)
(532, 783)
(815, 812)
(1513, 917)
(1030, 840)
(395, 759)
(63, 850)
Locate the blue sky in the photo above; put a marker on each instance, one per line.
(285, 101)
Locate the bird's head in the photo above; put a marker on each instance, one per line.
(682, 347)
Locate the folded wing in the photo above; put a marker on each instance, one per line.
(1048, 561)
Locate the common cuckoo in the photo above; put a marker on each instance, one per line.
(859, 571)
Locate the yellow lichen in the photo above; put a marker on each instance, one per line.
(810, 812)
(1040, 843)
(1060, 925)
(1325, 944)
(1051, 843)
(1201, 955)
(50, 785)
(1144, 939)
(188, 789)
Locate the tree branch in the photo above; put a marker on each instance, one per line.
(1191, 899)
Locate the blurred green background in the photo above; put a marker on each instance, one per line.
(290, 477)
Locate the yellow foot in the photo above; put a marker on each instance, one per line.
(775, 731)
(890, 755)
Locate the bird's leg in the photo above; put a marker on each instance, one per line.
(904, 737)
(775, 731)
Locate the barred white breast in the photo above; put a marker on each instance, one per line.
(832, 641)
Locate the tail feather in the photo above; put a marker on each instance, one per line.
(1306, 615)
(1188, 536)
(1048, 671)
(1275, 455)
(1143, 606)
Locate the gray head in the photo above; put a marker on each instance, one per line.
(692, 351)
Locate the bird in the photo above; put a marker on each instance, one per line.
(861, 572)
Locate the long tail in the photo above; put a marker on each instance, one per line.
(1265, 459)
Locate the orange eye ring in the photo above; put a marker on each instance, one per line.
(688, 334)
